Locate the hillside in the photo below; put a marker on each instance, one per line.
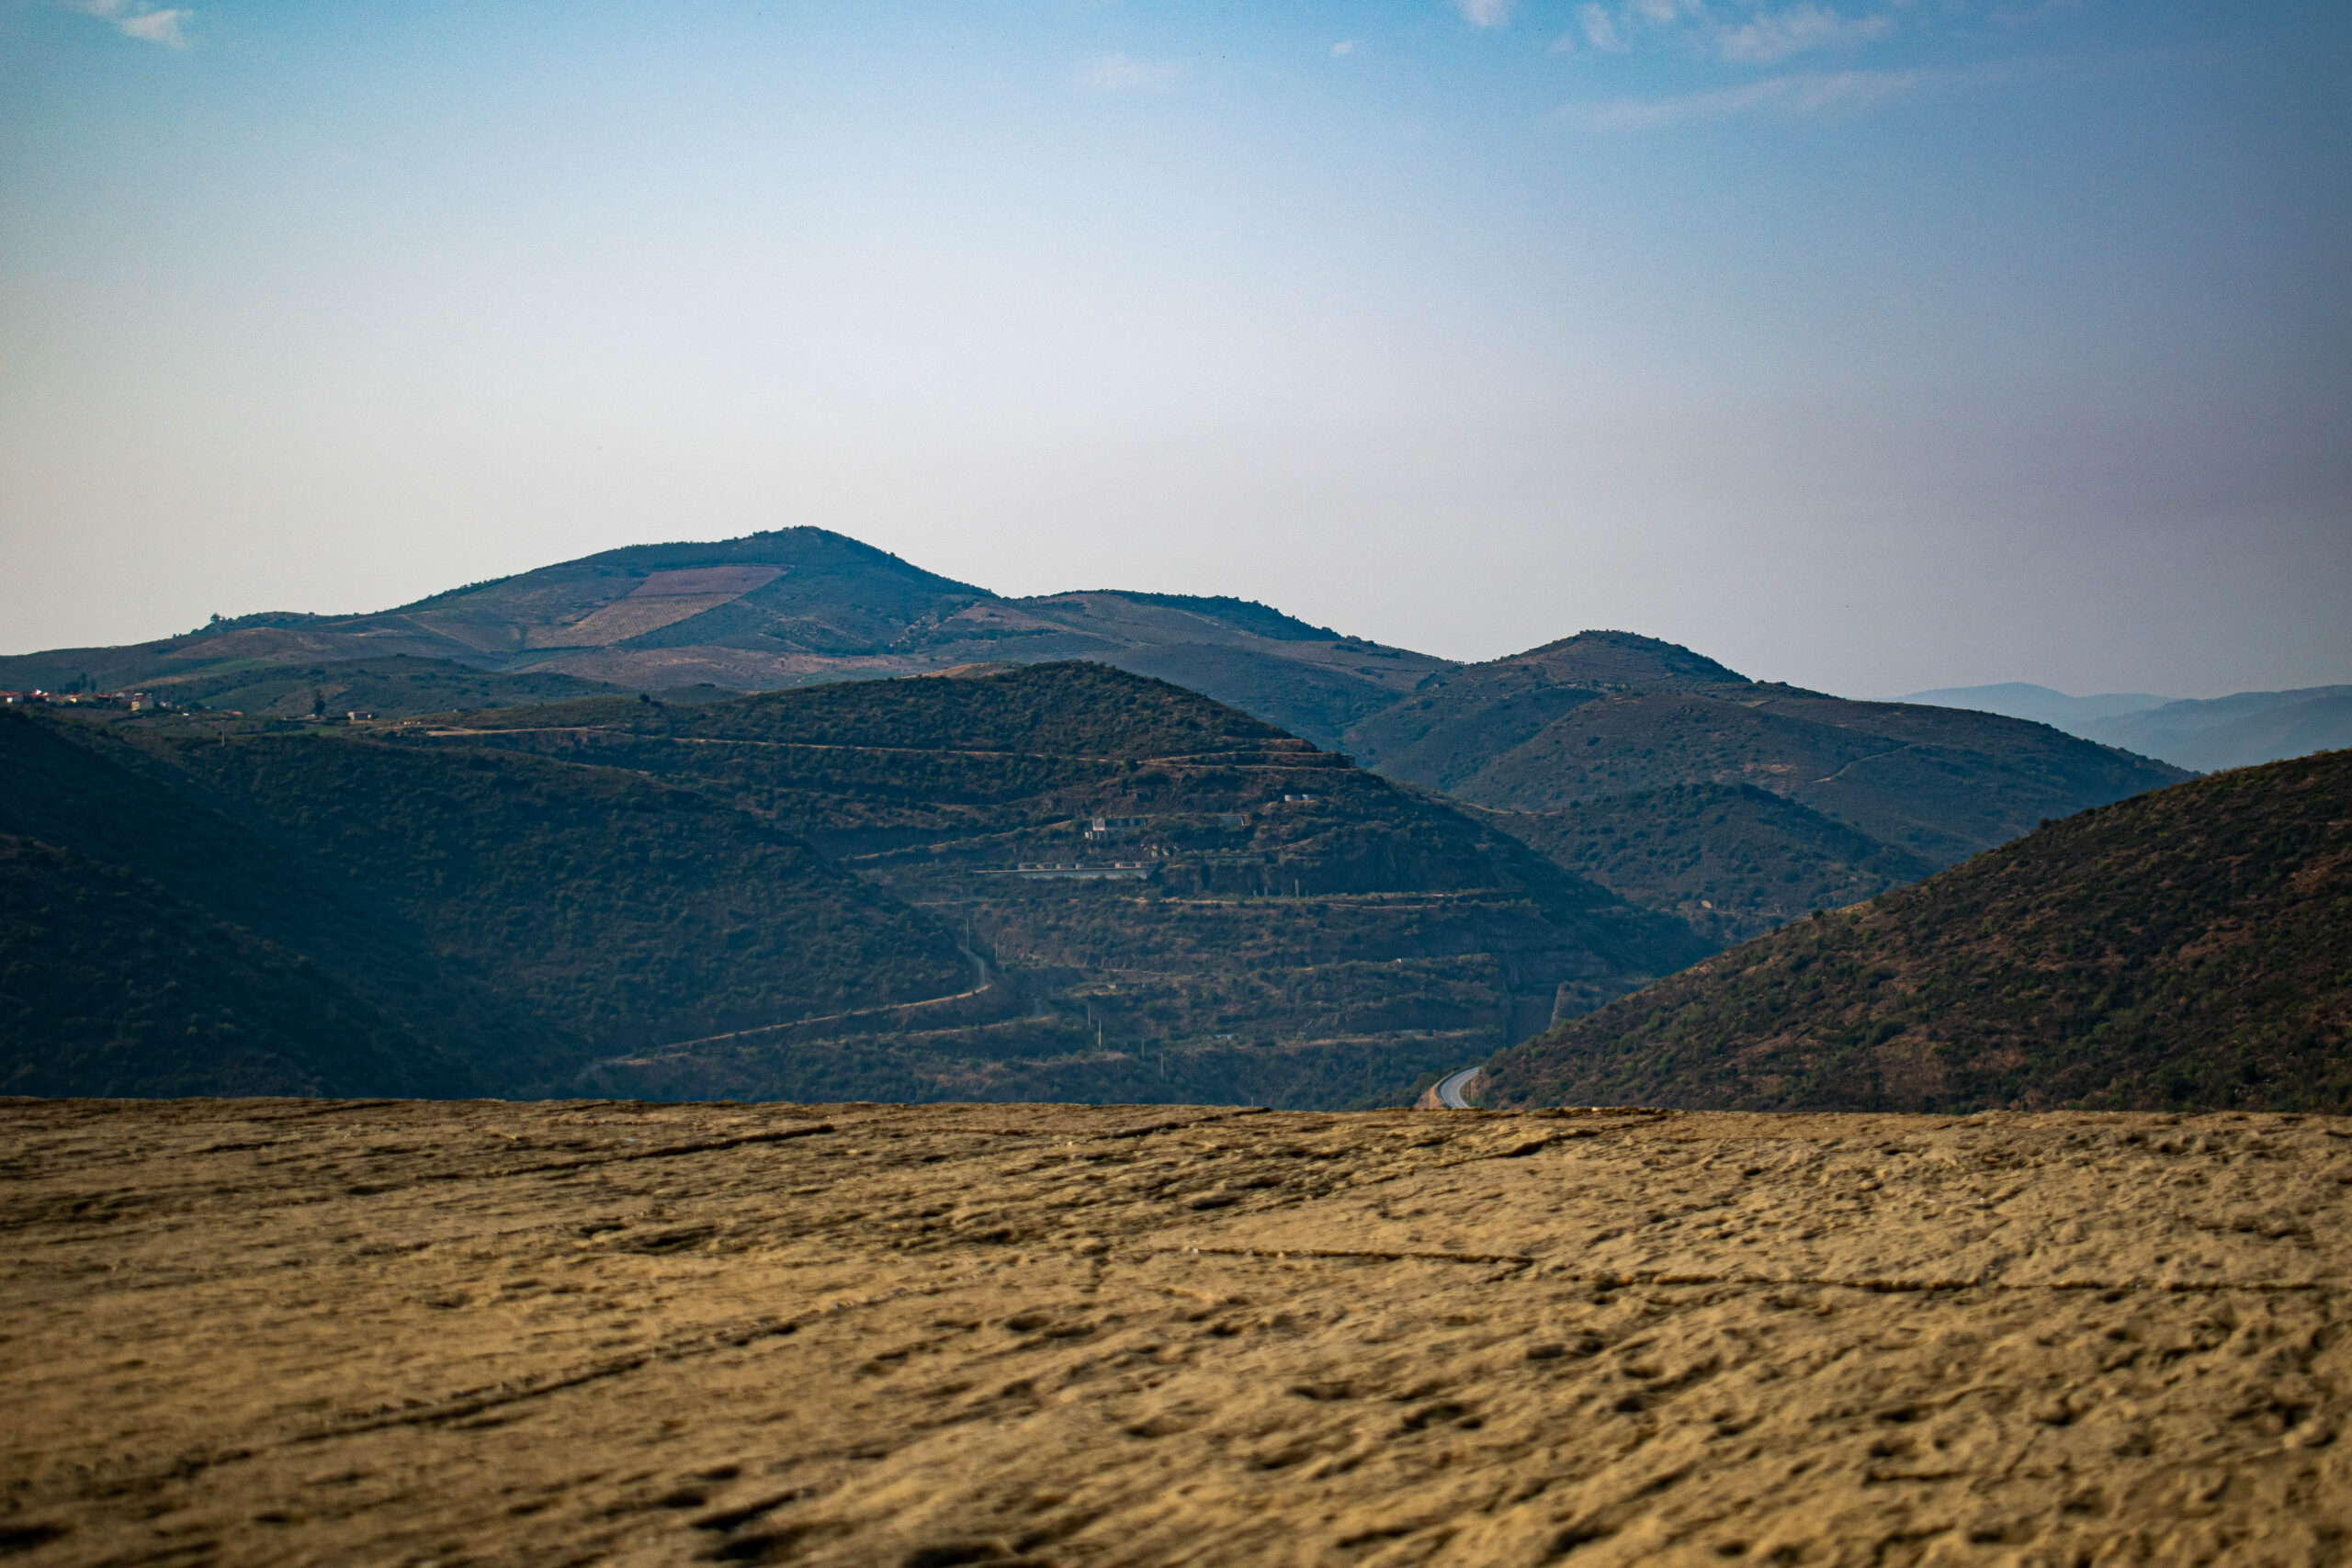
(397, 687)
(1258, 920)
(771, 609)
(2188, 947)
(94, 791)
(2021, 699)
(823, 888)
(2210, 733)
(2235, 731)
(1731, 860)
(1605, 715)
(113, 986)
(520, 917)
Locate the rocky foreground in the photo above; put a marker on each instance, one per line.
(280, 1331)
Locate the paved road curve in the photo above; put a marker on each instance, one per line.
(1449, 1090)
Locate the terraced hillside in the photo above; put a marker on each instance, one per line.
(2188, 947)
(837, 889)
(1255, 918)
(1606, 727)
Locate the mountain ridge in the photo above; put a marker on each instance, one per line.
(2188, 946)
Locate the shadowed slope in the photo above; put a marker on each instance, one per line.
(109, 984)
(1732, 860)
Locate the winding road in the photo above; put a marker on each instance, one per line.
(1449, 1090)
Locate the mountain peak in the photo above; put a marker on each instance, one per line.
(1626, 658)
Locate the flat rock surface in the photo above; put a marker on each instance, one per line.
(394, 1332)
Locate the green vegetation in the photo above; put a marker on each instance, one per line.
(1732, 860)
(112, 986)
(399, 687)
(522, 916)
(1606, 713)
(2187, 948)
(563, 843)
(818, 893)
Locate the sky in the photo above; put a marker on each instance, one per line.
(1875, 346)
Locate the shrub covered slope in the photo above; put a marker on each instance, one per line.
(2190, 947)
(821, 892)
(1256, 920)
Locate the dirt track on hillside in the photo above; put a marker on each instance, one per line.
(263, 1332)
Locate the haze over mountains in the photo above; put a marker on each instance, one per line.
(2205, 734)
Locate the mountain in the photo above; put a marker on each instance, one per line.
(2237, 731)
(1254, 919)
(1599, 717)
(1608, 713)
(2190, 947)
(2019, 699)
(830, 891)
(2207, 734)
(768, 611)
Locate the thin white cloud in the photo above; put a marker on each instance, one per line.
(1602, 31)
(1342, 49)
(1484, 13)
(1123, 73)
(1776, 35)
(1797, 95)
(137, 20)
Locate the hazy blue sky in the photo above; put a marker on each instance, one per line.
(1874, 345)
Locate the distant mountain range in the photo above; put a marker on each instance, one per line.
(1675, 781)
(2188, 947)
(773, 610)
(2205, 734)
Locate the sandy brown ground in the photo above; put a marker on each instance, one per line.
(261, 1331)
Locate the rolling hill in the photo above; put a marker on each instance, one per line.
(1732, 860)
(2188, 947)
(1255, 919)
(768, 611)
(515, 917)
(2235, 731)
(1598, 717)
(1604, 715)
(2021, 699)
(115, 988)
(842, 887)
